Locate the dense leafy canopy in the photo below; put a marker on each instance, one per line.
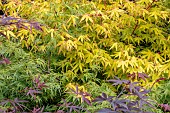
(53, 49)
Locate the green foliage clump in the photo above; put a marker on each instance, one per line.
(20, 73)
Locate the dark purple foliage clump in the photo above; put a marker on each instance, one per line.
(124, 105)
(19, 23)
(16, 105)
(121, 103)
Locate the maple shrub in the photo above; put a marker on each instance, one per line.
(54, 49)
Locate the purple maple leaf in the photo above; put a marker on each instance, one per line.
(38, 83)
(33, 92)
(5, 61)
(41, 85)
(38, 110)
(119, 82)
(84, 95)
(165, 107)
(142, 76)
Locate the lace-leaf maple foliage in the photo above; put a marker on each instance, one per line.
(121, 37)
(89, 40)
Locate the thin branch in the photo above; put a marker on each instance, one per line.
(149, 6)
(134, 29)
(137, 23)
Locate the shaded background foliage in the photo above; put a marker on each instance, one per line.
(50, 46)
